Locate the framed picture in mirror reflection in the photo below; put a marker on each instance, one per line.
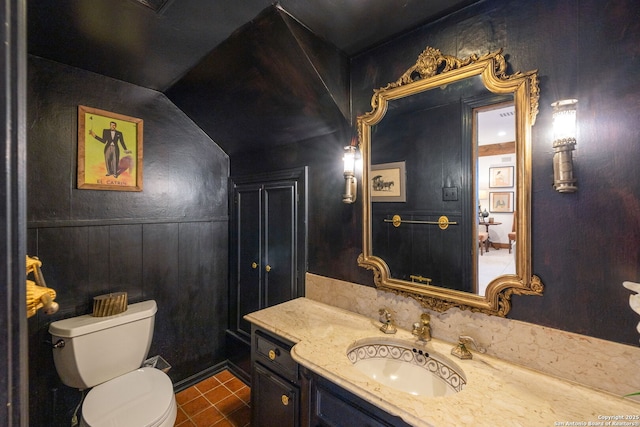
(501, 201)
(501, 177)
(388, 182)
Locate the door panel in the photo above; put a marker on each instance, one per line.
(280, 243)
(249, 268)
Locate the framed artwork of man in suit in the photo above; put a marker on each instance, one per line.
(109, 150)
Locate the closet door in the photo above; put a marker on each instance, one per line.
(267, 251)
(248, 234)
(279, 243)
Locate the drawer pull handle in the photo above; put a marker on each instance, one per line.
(268, 268)
(273, 354)
(254, 265)
(285, 400)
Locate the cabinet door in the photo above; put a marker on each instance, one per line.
(274, 402)
(248, 232)
(280, 243)
(332, 406)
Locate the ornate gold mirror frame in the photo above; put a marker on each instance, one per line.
(433, 70)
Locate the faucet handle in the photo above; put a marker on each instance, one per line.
(469, 340)
(461, 351)
(387, 321)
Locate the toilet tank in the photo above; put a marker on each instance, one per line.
(97, 349)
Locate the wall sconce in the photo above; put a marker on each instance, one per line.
(350, 181)
(564, 142)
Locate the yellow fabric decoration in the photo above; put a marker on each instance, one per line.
(38, 295)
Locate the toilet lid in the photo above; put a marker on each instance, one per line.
(143, 397)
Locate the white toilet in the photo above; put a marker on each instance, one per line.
(105, 354)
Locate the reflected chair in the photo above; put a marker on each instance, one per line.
(512, 235)
(483, 240)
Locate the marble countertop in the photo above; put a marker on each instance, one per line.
(497, 392)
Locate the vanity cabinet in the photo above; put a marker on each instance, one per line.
(284, 394)
(277, 388)
(333, 406)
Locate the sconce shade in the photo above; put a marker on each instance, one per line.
(350, 181)
(564, 143)
(564, 119)
(349, 159)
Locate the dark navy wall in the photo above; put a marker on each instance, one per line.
(587, 243)
(584, 244)
(170, 241)
(167, 243)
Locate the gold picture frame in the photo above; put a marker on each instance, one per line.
(388, 182)
(109, 150)
(501, 177)
(501, 202)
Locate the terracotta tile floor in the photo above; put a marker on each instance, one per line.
(221, 401)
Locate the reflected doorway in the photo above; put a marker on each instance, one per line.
(495, 190)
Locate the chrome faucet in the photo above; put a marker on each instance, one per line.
(461, 351)
(387, 321)
(422, 329)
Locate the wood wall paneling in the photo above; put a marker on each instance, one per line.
(166, 243)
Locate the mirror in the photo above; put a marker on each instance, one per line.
(430, 172)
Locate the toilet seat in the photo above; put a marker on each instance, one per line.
(143, 397)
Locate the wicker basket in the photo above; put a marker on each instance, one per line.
(110, 304)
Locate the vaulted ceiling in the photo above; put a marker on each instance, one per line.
(205, 53)
(154, 45)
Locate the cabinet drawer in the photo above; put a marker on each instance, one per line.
(276, 355)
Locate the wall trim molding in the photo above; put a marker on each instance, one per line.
(120, 221)
(200, 376)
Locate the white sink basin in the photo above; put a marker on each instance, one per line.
(406, 367)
